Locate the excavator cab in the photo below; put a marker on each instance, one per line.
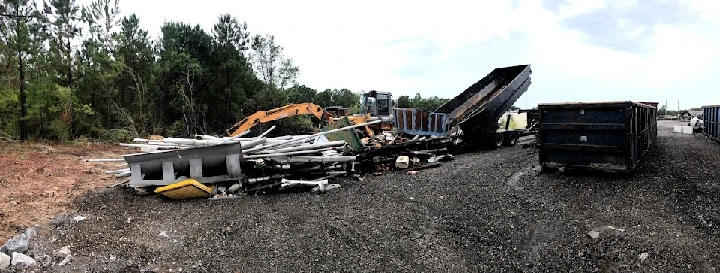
(378, 104)
(338, 111)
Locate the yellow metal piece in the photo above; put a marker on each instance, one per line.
(279, 113)
(360, 119)
(185, 189)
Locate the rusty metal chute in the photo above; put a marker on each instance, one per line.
(475, 111)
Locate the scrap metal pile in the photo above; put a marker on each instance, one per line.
(228, 167)
(348, 145)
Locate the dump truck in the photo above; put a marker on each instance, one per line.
(474, 114)
(511, 126)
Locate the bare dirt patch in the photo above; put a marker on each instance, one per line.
(38, 180)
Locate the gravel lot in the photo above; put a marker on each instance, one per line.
(483, 212)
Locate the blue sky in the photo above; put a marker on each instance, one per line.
(579, 50)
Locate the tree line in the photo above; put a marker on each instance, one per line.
(70, 71)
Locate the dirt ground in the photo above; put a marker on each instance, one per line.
(483, 212)
(38, 181)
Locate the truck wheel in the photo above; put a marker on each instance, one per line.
(510, 139)
(499, 140)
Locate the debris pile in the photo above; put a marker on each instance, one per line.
(18, 254)
(13, 252)
(228, 167)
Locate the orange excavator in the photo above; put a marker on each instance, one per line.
(376, 105)
(280, 113)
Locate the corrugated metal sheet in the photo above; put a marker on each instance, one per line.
(711, 121)
(608, 136)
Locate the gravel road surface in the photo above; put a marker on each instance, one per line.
(484, 212)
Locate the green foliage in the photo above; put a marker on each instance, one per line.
(338, 97)
(292, 125)
(404, 102)
(301, 94)
(427, 104)
(113, 82)
(58, 130)
(8, 111)
(356, 109)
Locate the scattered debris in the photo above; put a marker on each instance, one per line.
(597, 231)
(66, 260)
(402, 162)
(62, 252)
(326, 188)
(4, 261)
(529, 141)
(688, 130)
(44, 260)
(228, 167)
(79, 218)
(22, 259)
(185, 189)
(19, 243)
(643, 256)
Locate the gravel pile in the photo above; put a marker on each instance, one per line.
(484, 212)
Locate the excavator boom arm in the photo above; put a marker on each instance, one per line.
(279, 113)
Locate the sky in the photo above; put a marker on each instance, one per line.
(578, 50)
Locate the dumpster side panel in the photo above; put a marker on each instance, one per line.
(711, 120)
(609, 136)
(418, 122)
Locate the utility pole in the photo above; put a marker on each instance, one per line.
(678, 108)
(666, 107)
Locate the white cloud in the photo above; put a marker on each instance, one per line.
(378, 44)
(580, 7)
(709, 10)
